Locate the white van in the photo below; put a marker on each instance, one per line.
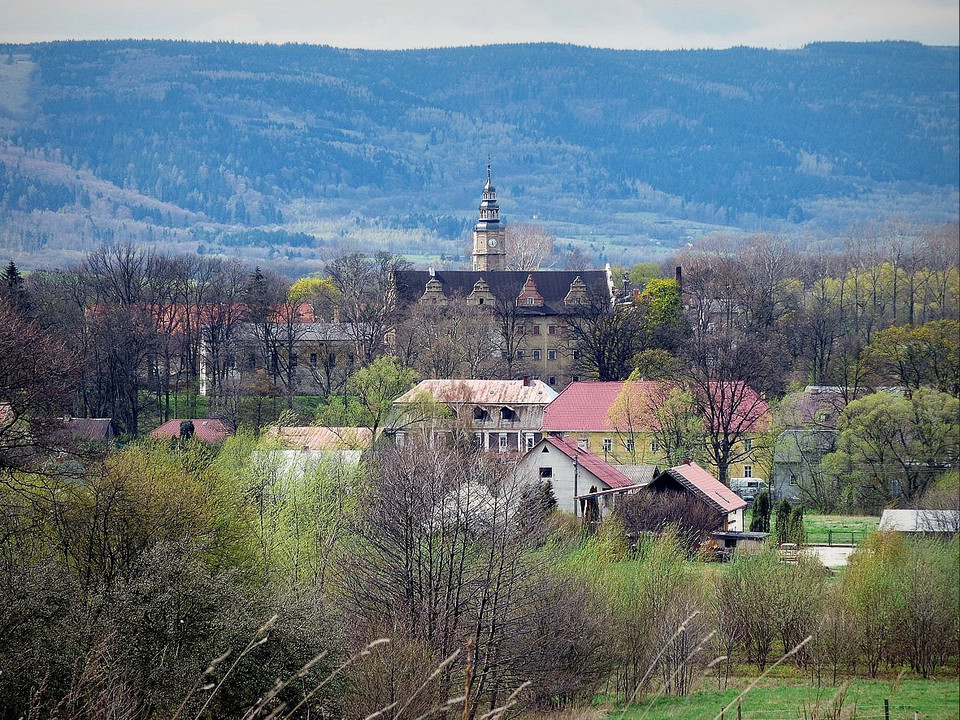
(748, 488)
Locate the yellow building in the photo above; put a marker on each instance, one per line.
(616, 421)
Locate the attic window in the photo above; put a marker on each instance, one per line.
(545, 449)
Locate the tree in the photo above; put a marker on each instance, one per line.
(783, 527)
(377, 385)
(760, 521)
(892, 448)
(721, 375)
(915, 357)
(529, 247)
(605, 337)
(37, 374)
(14, 290)
(368, 302)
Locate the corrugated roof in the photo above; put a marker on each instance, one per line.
(920, 521)
(482, 392)
(696, 479)
(593, 464)
(209, 430)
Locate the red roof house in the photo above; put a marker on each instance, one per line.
(691, 478)
(573, 471)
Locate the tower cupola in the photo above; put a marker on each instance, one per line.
(489, 233)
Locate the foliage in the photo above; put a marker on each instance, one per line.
(892, 448)
(760, 520)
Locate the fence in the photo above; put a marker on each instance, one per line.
(844, 537)
(855, 712)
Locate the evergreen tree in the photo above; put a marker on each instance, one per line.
(797, 534)
(760, 522)
(14, 290)
(783, 521)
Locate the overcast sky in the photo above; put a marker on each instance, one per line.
(637, 24)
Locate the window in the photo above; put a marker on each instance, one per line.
(530, 301)
(332, 360)
(748, 445)
(551, 329)
(607, 445)
(536, 354)
(552, 380)
(583, 443)
(502, 442)
(293, 360)
(351, 359)
(252, 361)
(546, 473)
(654, 447)
(822, 417)
(576, 354)
(519, 354)
(508, 414)
(536, 329)
(551, 354)
(793, 479)
(313, 360)
(576, 378)
(748, 471)
(528, 441)
(628, 444)
(480, 301)
(480, 414)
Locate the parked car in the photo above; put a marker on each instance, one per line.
(748, 488)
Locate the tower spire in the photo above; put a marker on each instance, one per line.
(488, 234)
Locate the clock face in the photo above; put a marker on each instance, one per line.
(492, 242)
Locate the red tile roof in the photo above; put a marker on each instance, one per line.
(592, 464)
(696, 479)
(208, 430)
(585, 406)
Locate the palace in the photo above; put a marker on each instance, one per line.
(531, 305)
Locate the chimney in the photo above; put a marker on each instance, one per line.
(336, 314)
(679, 276)
(526, 381)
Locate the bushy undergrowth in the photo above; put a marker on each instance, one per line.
(142, 587)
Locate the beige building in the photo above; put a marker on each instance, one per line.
(498, 415)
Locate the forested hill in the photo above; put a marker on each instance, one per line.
(301, 147)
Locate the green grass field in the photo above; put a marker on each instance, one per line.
(838, 529)
(862, 699)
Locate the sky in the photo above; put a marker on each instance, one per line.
(396, 24)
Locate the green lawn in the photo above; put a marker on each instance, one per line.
(932, 699)
(838, 529)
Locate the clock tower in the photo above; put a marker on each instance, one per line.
(489, 235)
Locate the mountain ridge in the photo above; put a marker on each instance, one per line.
(623, 153)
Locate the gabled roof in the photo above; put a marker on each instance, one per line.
(481, 392)
(506, 285)
(590, 462)
(210, 430)
(88, 428)
(585, 406)
(697, 480)
(325, 438)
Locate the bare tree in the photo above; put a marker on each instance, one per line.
(368, 302)
(529, 247)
